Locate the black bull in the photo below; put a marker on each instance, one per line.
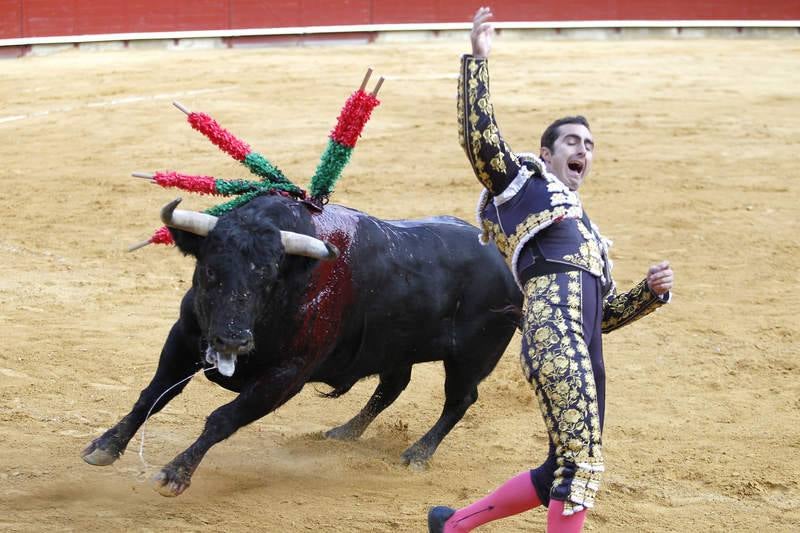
(399, 293)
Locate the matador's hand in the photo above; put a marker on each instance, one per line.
(482, 33)
(660, 278)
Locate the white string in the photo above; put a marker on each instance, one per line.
(147, 417)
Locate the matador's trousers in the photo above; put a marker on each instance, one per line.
(562, 357)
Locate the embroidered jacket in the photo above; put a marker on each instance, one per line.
(528, 212)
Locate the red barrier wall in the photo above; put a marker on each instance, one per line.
(40, 18)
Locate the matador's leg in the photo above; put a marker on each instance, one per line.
(561, 311)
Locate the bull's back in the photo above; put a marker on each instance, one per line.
(453, 245)
(431, 277)
(419, 290)
(440, 253)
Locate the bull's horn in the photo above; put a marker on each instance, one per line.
(191, 221)
(299, 244)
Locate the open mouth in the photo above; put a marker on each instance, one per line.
(576, 166)
(225, 362)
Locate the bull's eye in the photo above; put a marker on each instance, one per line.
(262, 271)
(211, 275)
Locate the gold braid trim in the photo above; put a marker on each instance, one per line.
(460, 110)
(530, 226)
(584, 487)
(622, 309)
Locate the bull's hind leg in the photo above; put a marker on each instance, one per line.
(175, 364)
(389, 388)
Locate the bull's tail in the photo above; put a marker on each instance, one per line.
(513, 313)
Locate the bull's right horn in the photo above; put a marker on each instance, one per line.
(191, 221)
(299, 244)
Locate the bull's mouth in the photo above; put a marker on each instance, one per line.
(225, 362)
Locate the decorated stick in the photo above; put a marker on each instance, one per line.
(352, 119)
(161, 236)
(349, 126)
(201, 184)
(231, 145)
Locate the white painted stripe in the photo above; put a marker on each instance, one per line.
(649, 24)
(371, 28)
(115, 102)
(12, 118)
(423, 77)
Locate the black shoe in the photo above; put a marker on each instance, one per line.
(437, 516)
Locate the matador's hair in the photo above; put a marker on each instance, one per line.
(551, 133)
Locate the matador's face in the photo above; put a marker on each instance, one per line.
(571, 157)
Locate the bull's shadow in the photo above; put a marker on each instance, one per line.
(283, 295)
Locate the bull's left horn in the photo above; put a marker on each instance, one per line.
(191, 221)
(299, 244)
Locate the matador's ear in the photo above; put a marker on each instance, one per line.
(545, 154)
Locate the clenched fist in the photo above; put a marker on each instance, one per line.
(660, 278)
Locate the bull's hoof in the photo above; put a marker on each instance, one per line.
(415, 460)
(97, 456)
(171, 484)
(342, 433)
(417, 466)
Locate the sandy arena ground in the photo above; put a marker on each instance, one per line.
(696, 162)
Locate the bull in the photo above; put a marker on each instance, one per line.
(283, 295)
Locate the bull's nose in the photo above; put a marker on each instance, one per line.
(240, 343)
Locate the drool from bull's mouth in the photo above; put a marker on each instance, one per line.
(225, 363)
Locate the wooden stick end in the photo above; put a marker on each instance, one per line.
(366, 79)
(134, 247)
(377, 86)
(181, 107)
(143, 175)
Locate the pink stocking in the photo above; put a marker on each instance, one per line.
(558, 523)
(513, 497)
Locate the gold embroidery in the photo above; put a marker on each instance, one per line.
(534, 222)
(589, 255)
(482, 136)
(622, 309)
(499, 238)
(556, 361)
(460, 111)
(498, 164)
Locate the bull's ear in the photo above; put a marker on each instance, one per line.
(188, 243)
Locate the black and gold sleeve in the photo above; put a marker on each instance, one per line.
(622, 309)
(492, 160)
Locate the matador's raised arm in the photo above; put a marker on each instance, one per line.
(494, 163)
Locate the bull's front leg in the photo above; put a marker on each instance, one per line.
(178, 360)
(256, 400)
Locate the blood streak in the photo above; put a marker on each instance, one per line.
(330, 290)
